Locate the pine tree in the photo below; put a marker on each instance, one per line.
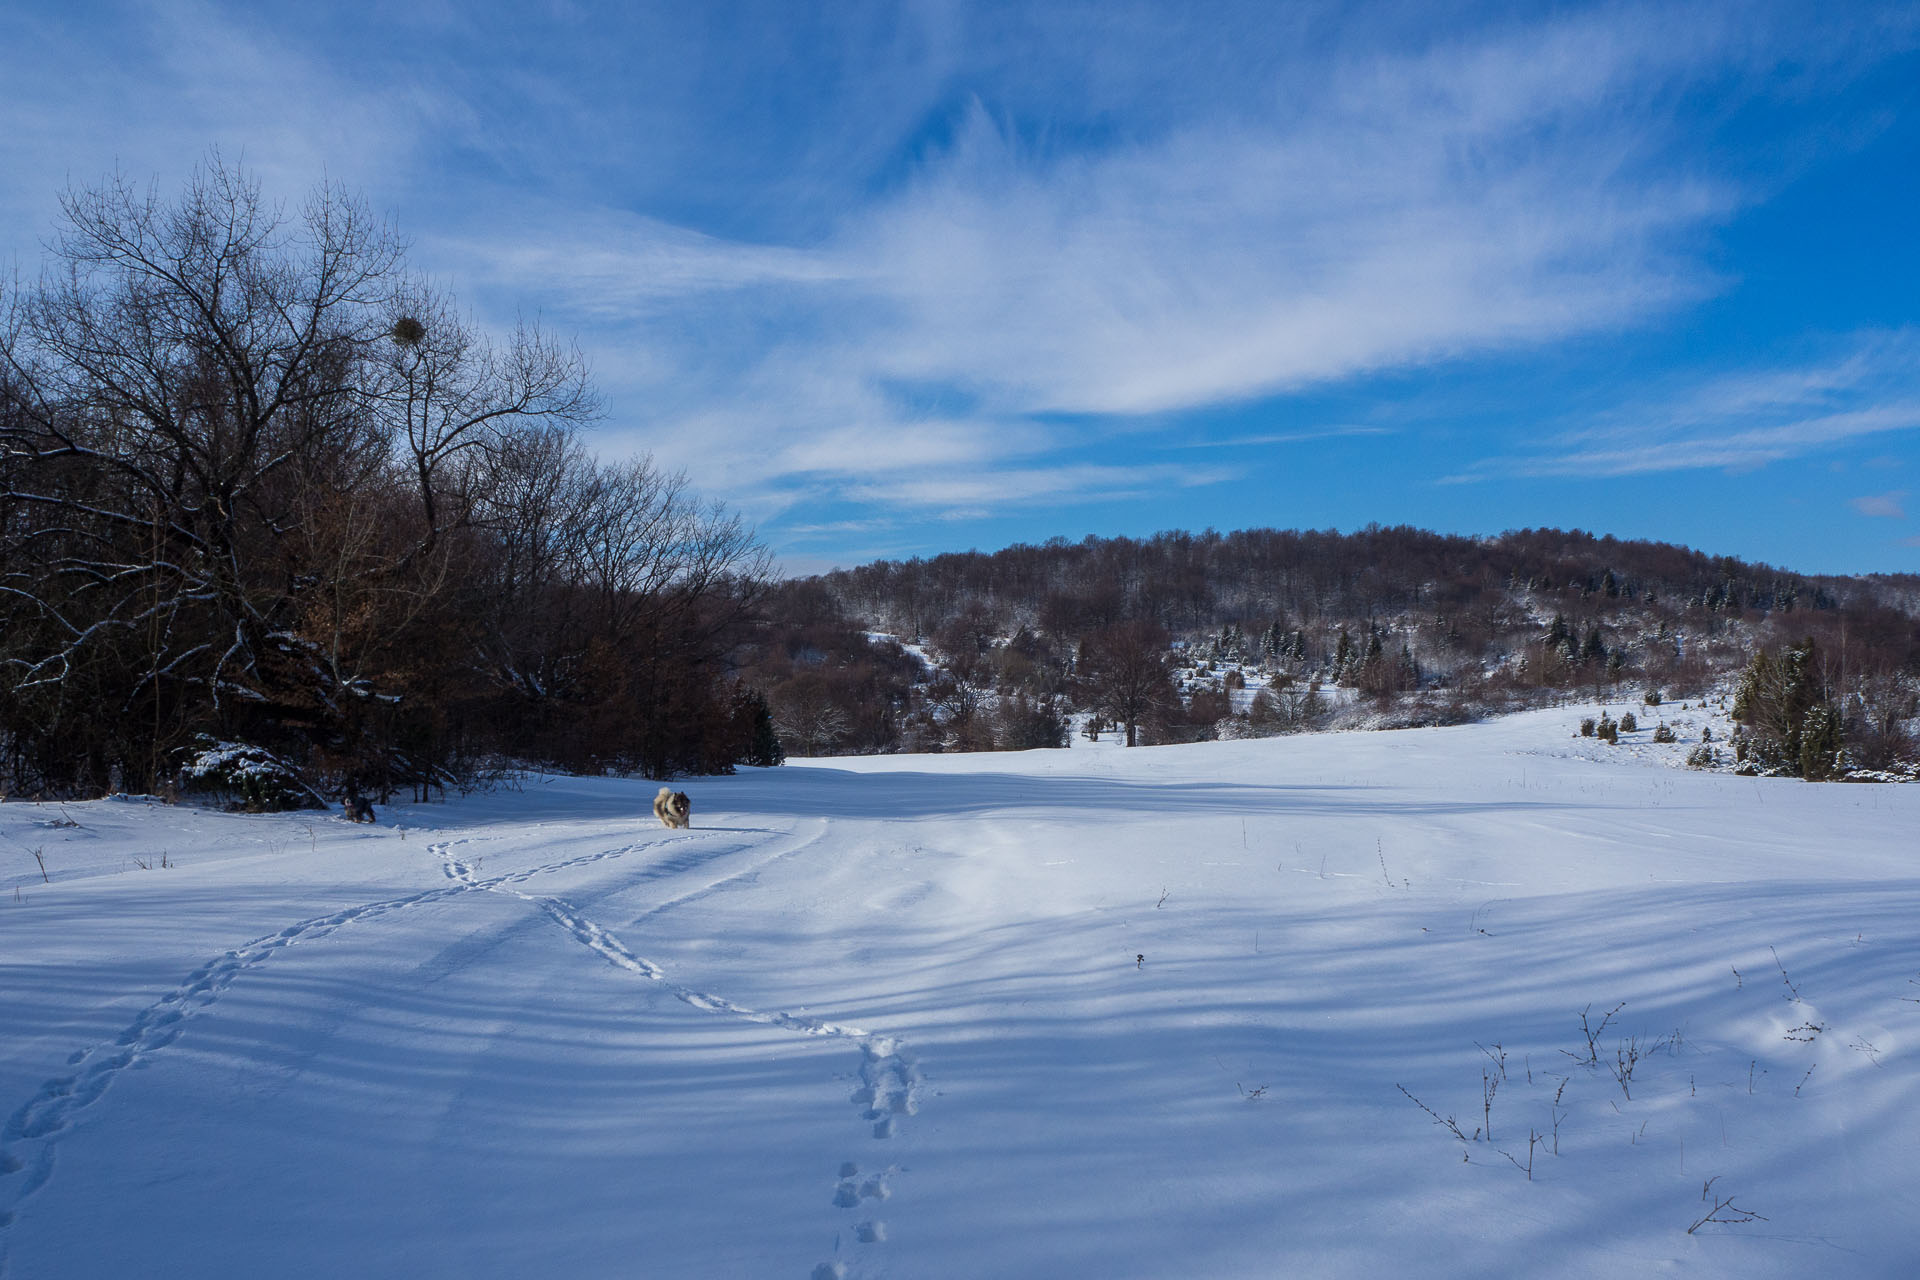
(1783, 706)
(1594, 650)
(1822, 743)
(763, 743)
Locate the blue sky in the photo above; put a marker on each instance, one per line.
(904, 278)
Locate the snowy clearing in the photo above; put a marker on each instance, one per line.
(1214, 1010)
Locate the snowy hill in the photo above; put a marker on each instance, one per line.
(1309, 1005)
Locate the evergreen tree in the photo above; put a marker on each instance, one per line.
(1782, 704)
(763, 742)
(1594, 650)
(1822, 743)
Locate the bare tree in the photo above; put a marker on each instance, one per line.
(256, 479)
(443, 391)
(1125, 667)
(808, 717)
(167, 372)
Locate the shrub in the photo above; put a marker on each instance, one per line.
(1702, 758)
(1627, 723)
(1608, 730)
(246, 777)
(1586, 727)
(1653, 698)
(1234, 728)
(1029, 723)
(1665, 734)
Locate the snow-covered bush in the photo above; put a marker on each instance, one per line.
(1587, 727)
(1665, 733)
(1702, 757)
(1628, 724)
(246, 777)
(1234, 729)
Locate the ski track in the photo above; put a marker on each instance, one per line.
(889, 1079)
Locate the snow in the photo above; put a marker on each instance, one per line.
(1177, 1011)
(919, 653)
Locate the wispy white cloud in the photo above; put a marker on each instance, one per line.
(1286, 437)
(1225, 263)
(1741, 421)
(622, 266)
(1885, 506)
(147, 89)
(1482, 194)
(1002, 486)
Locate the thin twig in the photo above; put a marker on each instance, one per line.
(1446, 1122)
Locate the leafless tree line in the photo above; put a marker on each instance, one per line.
(1427, 628)
(259, 481)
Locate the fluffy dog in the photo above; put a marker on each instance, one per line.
(358, 807)
(673, 808)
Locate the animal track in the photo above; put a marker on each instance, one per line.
(42, 1118)
(889, 1079)
(850, 1190)
(889, 1090)
(889, 1084)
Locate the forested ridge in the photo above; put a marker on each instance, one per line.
(1415, 627)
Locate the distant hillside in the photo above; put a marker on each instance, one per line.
(978, 650)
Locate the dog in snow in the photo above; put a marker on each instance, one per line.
(673, 808)
(358, 807)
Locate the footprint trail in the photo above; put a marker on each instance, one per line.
(890, 1081)
(30, 1135)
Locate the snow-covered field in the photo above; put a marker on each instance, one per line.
(1175, 1012)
